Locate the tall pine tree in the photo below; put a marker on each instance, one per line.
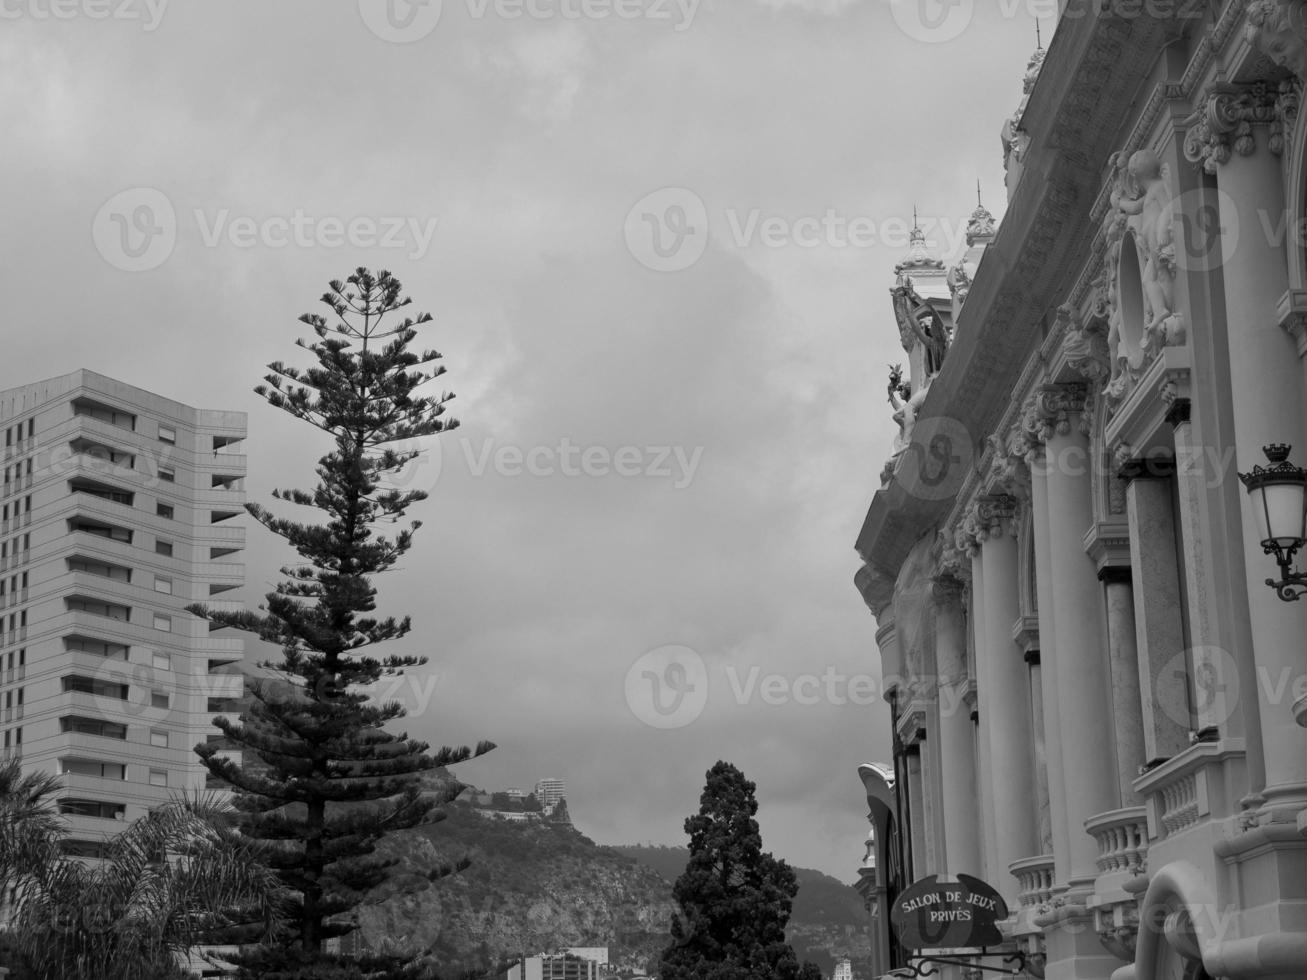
(322, 779)
(734, 898)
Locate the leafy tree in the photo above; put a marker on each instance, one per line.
(322, 780)
(734, 898)
(174, 880)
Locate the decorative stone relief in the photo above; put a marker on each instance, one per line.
(1086, 348)
(1140, 269)
(1227, 117)
(1049, 412)
(969, 534)
(953, 563)
(1008, 471)
(996, 515)
(907, 404)
(1278, 28)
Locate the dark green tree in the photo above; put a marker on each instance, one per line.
(734, 898)
(322, 779)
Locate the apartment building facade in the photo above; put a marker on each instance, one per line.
(1098, 700)
(119, 508)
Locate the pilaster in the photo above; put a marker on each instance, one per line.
(1266, 380)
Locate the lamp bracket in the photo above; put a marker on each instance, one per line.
(1014, 964)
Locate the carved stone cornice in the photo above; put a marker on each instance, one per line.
(1086, 348)
(1225, 119)
(1008, 472)
(996, 515)
(952, 562)
(1051, 410)
(1278, 28)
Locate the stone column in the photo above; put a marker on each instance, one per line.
(1164, 670)
(1055, 769)
(984, 750)
(1084, 704)
(1266, 382)
(1004, 684)
(1044, 815)
(920, 863)
(956, 734)
(1123, 653)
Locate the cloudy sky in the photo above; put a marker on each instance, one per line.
(657, 246)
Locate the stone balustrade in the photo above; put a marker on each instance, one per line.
(1122, 837)
(1179, 804)
(1034, 880)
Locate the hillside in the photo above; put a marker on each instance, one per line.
(827, 920)
(537, 886)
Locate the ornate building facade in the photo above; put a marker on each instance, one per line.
(1098, 703)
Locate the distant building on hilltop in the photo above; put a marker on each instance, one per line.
(549, 791)
(843, 970)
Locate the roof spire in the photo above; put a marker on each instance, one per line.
(915, 224)
(979, 202)
(1039, 40)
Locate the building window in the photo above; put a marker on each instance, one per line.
(158, 699)
(158, 777)
(91, 685)
(158, 739)
(167, 435)
(160, 660)
(163, 548)
(167, 474)
(162, 622)
(164, 510)
(163, 585)
(92, 726)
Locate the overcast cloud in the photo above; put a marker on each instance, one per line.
(647, 458)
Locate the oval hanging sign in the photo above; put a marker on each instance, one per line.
(934, 914)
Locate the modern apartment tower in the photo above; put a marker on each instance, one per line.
(549, 791)
(120, 508)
